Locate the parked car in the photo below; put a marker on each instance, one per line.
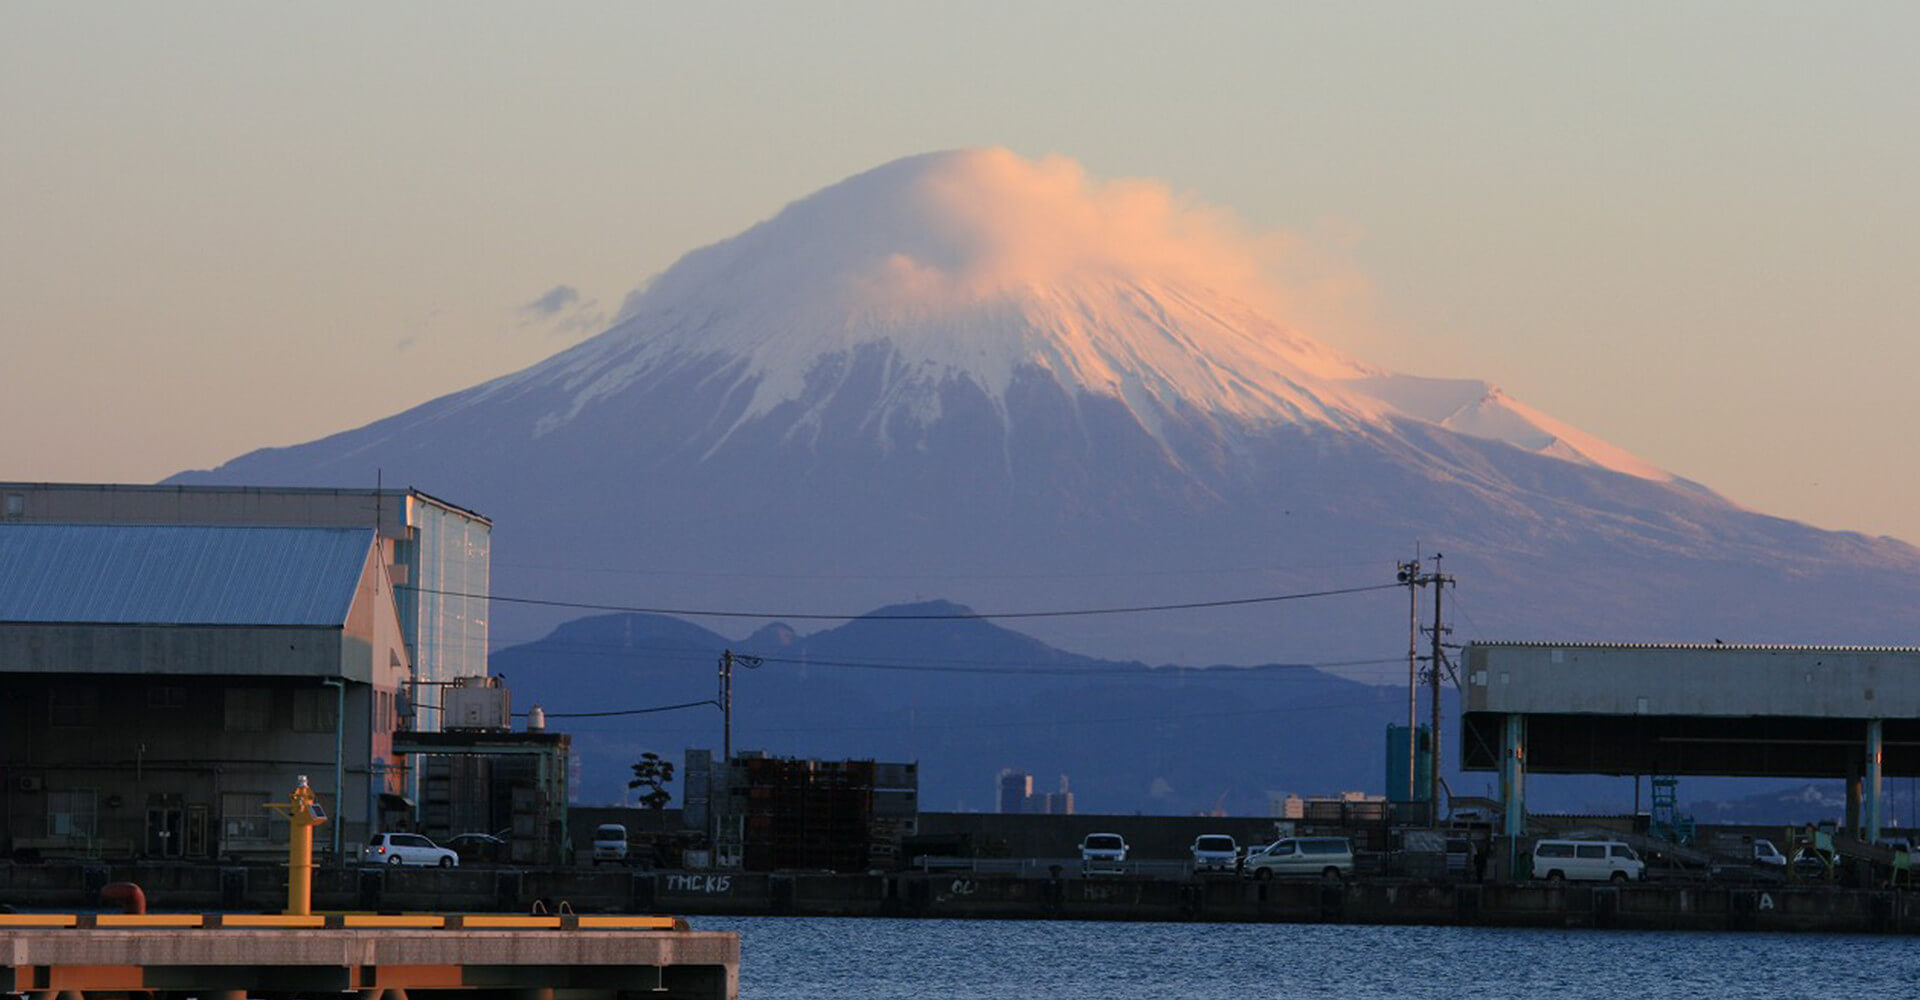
(1214, 852)
(609, 844)
(1586, 861)
(479, 847)
(407, 849)
(1326, 857)
(1103, 854)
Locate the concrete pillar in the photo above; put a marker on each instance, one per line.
(1513, 772)
(1872, 783)
(1850, 823)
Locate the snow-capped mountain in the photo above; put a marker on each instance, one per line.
(970, 376)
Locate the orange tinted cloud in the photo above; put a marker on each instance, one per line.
(994, 221)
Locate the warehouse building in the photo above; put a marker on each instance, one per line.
(160, 683)
(150, 658)
(438, 555)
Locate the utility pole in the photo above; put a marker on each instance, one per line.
(726, 705)
(727, 659)
(1409, 574)
(1439, 581)
(1414, 576)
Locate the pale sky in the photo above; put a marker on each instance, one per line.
(1690, 229)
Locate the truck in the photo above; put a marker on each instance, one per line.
(1746, 855)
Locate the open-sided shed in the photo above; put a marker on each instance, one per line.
(1762, 711)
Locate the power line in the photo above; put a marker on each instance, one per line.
(1102, 673)
(869, 616)
(1105, 670)
(1211, 572)
(1237, 673)
(627, 711)
(927, 726)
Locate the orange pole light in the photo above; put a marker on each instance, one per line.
(303, 813)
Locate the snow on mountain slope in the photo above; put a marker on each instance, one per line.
(1482, 410)
(974, 266)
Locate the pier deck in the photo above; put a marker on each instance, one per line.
(61, 956)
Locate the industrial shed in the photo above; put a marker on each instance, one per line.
(160, 683)
(1761, 711)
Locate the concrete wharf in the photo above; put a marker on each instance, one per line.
(375, 956)
(972, 894)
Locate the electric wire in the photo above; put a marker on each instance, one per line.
(627, 711)
(936, 726)
(871, 616)
(1100, 669)
(1109, 672)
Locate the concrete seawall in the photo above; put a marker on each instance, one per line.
(1654, 905)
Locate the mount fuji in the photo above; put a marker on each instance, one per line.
(974, 377)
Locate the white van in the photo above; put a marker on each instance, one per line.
(1586, 861)
(1214, 852)
(1103, 854)
(610, 844)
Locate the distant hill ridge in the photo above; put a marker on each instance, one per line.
(965, 698)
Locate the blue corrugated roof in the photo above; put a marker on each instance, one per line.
(179, 574)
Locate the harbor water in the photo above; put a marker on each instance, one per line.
(880, 959)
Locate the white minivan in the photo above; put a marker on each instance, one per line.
(1586, 861)
(1214, 852)
(407, 849)
(1330, 858)
(610, 844)
(1103, 854)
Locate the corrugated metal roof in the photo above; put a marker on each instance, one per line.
(179, 574)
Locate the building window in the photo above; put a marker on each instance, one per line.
(166, 696)
(249, 710)
(16, 505)
(315, 711)
(72, 813)
(243, 816)
(73, 705)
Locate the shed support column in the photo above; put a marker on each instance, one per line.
(1513, 772)
(1872, 790)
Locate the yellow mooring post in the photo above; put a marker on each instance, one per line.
(304, 813)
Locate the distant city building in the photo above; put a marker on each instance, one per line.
(1016, 791)
(1294, 806)
(1016, 795)
(1060, 803)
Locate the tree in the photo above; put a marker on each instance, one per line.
(652, 773)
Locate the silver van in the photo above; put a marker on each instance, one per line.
(1326, 857)
(1586, 861)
